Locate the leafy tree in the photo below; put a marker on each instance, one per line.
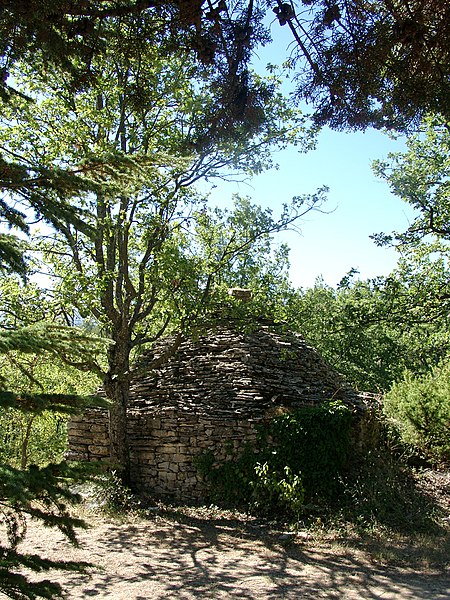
(349, 327)
(38, 437)
(417, 294)
(382, 63)
(251, 259)
(58, 36)
(420, 177)
(61, 35)
(132, 269)
(371, 331)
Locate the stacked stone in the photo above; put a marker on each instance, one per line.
(241, 373)
(209, 397)
(164, 449)
(89, 436)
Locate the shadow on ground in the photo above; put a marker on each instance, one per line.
(222, 558)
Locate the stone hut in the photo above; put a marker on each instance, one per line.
(210, 396)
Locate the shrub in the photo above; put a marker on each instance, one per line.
(273, 490)
(382, 492)
(420, 407)
(111, 496)
(229, 481)
(298, 455)
(314, 441)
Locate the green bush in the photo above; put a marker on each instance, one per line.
(229, 481)
(273, 490)
(420, 407)
(300, 455)
(314, 441)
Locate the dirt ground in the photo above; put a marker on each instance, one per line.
(220, 558)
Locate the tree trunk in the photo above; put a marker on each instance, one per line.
(25, 443)
(117, 389)
(119, 451)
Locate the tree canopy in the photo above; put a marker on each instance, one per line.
(141, 258)
(374, 330)
(420, 177)
(383, 63)
(71, 41)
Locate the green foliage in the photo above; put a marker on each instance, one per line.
(347, 326)
(420, 177)
(108, 492)
(313, 441)
(299, 456)
(53, 39)
(381, 491)
(371, 331)
(36, 439)
(229, 481)
(272, 490)
(48, 388)
(420, 406)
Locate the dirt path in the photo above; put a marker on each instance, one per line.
(155, 559)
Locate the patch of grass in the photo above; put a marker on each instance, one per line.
(395, 514)
(383, 492)
(107, 495)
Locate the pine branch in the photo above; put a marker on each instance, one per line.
(39, 493)
(71, 404)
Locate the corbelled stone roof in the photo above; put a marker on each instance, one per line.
(227, 371)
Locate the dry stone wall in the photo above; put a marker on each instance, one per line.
(164, 446)
(209, 397)
(89, 436)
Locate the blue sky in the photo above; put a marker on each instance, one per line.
(359, 203)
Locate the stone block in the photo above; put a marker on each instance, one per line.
(100, 440)
(78, 440)
(145, 456)
(78, 427)
(99, 450)
(99, 428)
